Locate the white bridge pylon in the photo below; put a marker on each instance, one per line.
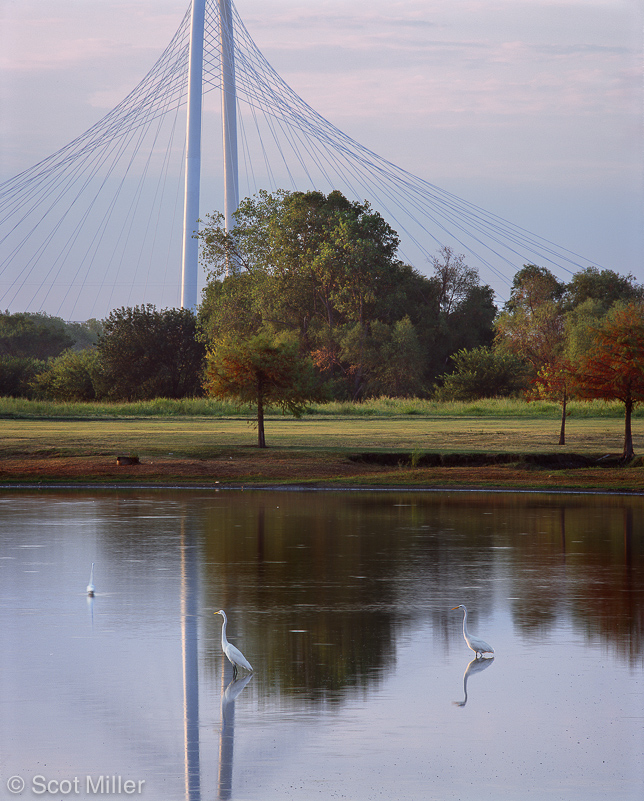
(96, 224)
(190, 257)
(190, 260)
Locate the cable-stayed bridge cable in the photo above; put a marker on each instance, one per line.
(77, 227)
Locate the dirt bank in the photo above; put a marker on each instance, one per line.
(323, 470)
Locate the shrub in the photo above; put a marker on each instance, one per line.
(72, 376)
(482, 373)
(16, 375)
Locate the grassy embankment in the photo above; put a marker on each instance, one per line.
(205, 441)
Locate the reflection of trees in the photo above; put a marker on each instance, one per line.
(321, 594)
(347, 568)
(336, 567)
(583, 560)
(611, 598)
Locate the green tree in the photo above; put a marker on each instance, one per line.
(604, 286)
(555, 380)
(482, 373)
(85, 334)
(231, 305)
(613, 367)
(72, 376)
(37, 336)
(327, 252)
(471, 323)
(326, 269)
(465, 313)
(390, 358)
(454, 278)
(400, 360)
(28, 341)
(264, 372)
(580, 325)
(17, 374)
(321, 267)
(532, 286)
(531, 326)
(145, 353)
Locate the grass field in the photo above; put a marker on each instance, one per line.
(203, 437)
(373, 408)
(80, 442)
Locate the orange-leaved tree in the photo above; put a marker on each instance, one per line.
(613, 367)
(532, 327)
(556, 381)
(262, 371)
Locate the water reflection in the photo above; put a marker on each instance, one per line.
(340, 603)
(597, 579)
(475, 666)
(190, 652)
(227, 735)
(347, 572)
(322, 607)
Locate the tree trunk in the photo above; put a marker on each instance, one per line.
(261, 440)
(628, 434)
(562, 433)
(357, 379)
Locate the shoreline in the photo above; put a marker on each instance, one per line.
(315, 473)
(315, 488)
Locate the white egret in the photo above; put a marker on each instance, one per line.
(474, 643)
(91, 589)
(235, 656)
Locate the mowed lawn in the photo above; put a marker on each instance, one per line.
(204, 437)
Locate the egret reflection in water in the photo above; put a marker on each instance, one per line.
(227, 735)
(475, 666)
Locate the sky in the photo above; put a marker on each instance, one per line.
(531, 109)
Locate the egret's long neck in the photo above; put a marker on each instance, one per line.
(465, 622)
(224, 641)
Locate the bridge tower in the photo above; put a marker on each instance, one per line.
(190, 257)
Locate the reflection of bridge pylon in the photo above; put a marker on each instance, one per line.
(190, 658)
(93, 224)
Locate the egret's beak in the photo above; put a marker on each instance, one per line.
(453, 608)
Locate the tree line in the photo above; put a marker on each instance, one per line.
(323, 272)
(306, 298)
(582, 339)
(134, 354)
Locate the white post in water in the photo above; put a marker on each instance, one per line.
(190, 262)
(228, 113)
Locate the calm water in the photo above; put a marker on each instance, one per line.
(363, 687)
